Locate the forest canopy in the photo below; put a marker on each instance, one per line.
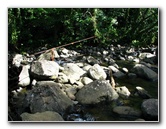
(30, 28)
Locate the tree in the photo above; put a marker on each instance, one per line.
(33, 27)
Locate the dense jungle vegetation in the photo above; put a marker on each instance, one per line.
(30, 28)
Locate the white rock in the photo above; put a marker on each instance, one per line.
(73, 72)
(24, 79)
(17, 60)
(123, 91)
(34, 82)
(86, 80)
(96, 72)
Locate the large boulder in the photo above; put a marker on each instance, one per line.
(44, 69)
(145, 72)
(95, 92)
(150, 109)
(24, 78)
(73, 72)
(96, 72)
(43, 116)
(47, 96)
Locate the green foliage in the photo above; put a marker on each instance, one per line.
(29, 28)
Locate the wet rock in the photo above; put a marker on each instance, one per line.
(95, 92)
(127, 111)
(42, 116)
(24, 78)
(150, 109)
(132, 75)
(123, 91)
(118, 74)
(142, 93)
(96, 72)
(44, 69)
(47, 96)
(151, 60)
(145, 72)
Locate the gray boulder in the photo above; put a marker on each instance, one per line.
(44, 69)
(47, 96)
(42, 116)
(95, 92)
(73, 72)
(150, 109)
(96, 72)
(145, 72)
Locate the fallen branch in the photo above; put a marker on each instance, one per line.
(64, 45)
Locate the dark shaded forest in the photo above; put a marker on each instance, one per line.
(30, 28)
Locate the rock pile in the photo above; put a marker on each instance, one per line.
(77, 77)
